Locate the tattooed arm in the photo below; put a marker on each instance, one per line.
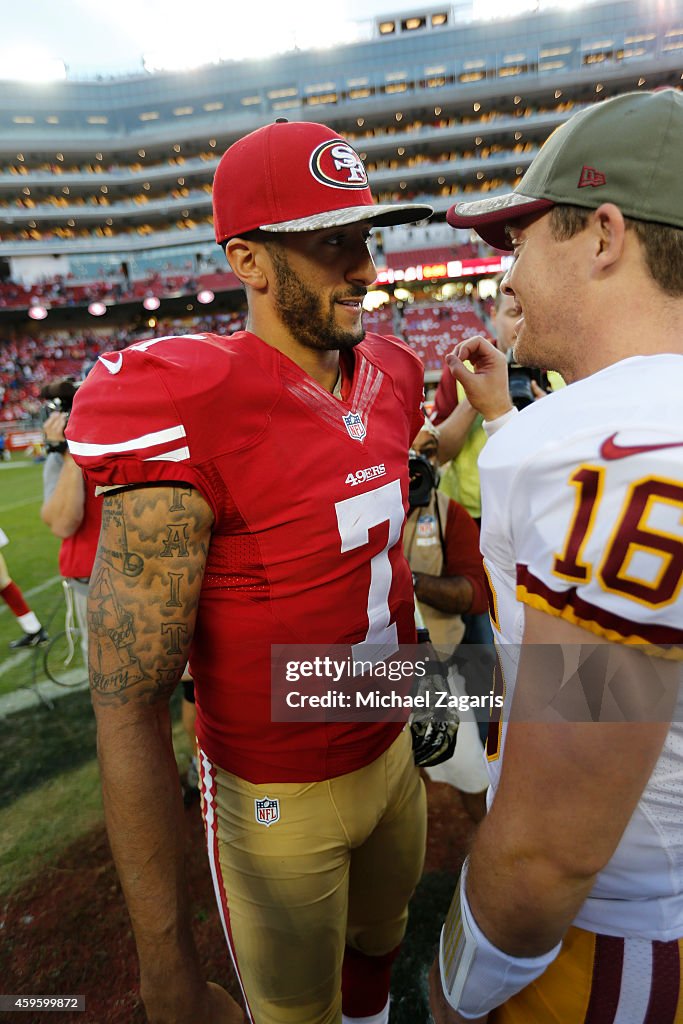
(142, 608)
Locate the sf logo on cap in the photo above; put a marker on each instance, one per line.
(335, 163)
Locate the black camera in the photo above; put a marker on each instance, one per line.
(519, 384)
(59, 395)
(423, 480)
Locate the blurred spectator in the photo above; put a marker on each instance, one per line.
(70, 509)
(34, 634)
(441, 543)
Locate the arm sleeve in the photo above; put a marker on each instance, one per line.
(52, 467)
(463, 557)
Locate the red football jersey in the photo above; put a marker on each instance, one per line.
(309, 493)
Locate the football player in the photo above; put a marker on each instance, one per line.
(34, 635)
(570, 906)
(255, 493)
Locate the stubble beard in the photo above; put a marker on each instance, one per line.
(524, 350)
(302, 311)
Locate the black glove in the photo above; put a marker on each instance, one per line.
(433, 741)
(434, 727)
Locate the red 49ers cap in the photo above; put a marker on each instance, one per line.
(626, 151)
(297, 176)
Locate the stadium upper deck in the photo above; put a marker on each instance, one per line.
(100, 171)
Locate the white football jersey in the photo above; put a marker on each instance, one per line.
(582, 497)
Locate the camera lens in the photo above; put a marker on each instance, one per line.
(422, 480)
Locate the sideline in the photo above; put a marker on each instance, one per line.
(36, 695)
(18, 465)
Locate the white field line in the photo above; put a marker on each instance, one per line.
(15, 465)
(19, 504)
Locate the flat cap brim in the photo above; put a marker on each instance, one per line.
(489, 216)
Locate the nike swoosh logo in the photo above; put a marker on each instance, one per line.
(114, 366)
(610, 451)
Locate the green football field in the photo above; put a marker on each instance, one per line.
(31, 558)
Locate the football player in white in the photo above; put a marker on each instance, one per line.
(570, 906)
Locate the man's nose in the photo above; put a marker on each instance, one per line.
(363, 268)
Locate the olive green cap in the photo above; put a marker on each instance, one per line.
(627, 150)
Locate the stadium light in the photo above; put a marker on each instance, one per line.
(37, 312)
(373, 300)
(151, 302)
(205, 296)
(97, 309)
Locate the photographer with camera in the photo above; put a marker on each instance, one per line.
(69, 505)
(441, 543)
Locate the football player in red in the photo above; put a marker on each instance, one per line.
(255, 493)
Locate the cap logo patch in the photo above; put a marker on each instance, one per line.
(591, 177)
(334, 163)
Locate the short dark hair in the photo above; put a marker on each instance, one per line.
(662, 245)
(257, 235)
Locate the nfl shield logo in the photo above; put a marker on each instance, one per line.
(354, 426)
(267, 811)
(426, 526)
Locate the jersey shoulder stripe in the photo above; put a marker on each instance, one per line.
(140, 444)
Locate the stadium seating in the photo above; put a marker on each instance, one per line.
(433, 330)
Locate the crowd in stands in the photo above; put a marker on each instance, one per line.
(60, 292)
(429, 244)
(432, 330)
(27, 361)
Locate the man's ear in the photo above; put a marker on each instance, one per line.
(609, 231)
(246, 259)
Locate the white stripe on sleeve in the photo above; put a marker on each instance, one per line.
(145, 441)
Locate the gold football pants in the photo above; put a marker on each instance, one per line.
(301, 870)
